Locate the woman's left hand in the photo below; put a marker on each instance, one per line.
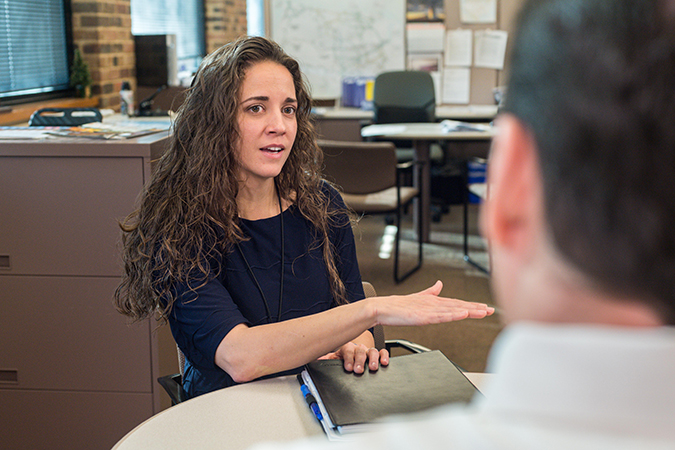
(355, 357)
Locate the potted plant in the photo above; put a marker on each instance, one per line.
(80, 78)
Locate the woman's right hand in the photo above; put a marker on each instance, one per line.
(425, 307)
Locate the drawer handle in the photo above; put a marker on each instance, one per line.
(9, 376)
(4, 262)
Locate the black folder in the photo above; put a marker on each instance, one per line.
(410, 383)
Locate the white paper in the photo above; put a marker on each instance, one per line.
(24, 132)
(490, 48)
(381, 130)
(458, 48)
(456, 84)
(478, 11)
(426, 38)
(448, 126)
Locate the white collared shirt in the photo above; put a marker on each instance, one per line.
(556, 387)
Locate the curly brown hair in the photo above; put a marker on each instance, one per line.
(188, 212)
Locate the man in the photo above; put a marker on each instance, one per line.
(580, 221)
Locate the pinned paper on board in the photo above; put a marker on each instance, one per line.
(425, 37)
(478, 11)
(490, 48)
(456, 85)
(458, 48)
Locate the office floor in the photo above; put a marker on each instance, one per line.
(466, 342)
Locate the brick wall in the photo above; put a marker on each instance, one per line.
(225, 21)
(102, 32)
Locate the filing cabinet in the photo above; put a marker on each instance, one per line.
(73, 372)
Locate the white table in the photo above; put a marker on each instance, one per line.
(421, 135)
(234, 418)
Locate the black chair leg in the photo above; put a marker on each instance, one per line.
(397, 277)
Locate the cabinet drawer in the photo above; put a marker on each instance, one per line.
(60, 214)
(57, 420)
(63, 333)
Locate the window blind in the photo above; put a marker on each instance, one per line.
(33, 47)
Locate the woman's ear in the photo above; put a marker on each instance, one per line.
(514, 206)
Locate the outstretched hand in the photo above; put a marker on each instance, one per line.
(421, 308)
(426, 307)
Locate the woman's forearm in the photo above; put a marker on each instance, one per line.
(247, 353)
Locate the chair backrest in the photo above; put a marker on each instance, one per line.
(360, 167)
(404, 96)
(181, 361)
(64, 117)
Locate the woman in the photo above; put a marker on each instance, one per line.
(242, 247)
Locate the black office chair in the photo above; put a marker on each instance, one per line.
(404, 96)
(64, 117)
(173, 384)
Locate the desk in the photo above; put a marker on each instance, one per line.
(234, 418)
(422, 134)
(344, 124)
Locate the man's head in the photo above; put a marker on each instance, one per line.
(591, 92)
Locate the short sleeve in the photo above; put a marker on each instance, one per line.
(201, 318)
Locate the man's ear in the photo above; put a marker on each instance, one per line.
(514, 207)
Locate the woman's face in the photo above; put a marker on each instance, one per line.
(266, 121)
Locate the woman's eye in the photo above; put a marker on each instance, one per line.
(255, 108)
(289, 110)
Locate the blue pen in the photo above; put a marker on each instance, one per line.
(309, 398)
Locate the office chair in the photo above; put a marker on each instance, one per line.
(367, 173)
(173, 384)
(408, 96)
(404, 96)
(64, 117)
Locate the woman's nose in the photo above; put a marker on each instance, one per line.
(276, 123)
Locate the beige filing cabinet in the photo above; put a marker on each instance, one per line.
(73, 373)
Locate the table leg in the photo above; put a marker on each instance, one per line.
(422, 181)
(465, 201)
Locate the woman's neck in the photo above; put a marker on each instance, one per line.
(258, 202)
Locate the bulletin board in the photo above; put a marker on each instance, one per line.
(336, 39)
(484, 80)
(463, 44)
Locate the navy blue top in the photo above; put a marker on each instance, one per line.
(201, 319)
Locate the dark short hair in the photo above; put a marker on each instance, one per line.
(594, 81)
